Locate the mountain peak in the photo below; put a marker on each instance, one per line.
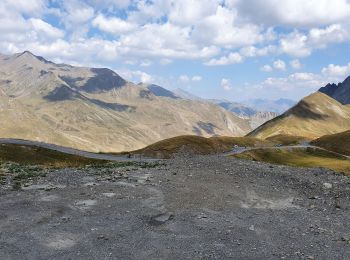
(340, 91)
(27, 55)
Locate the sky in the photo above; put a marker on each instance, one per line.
(232, 49)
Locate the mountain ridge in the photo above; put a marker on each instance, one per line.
(97, 110)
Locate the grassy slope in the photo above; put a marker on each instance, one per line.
(313, 117)
(31, 155)
(287, 139)
(197, 145)
(339, 143)
(309, 157)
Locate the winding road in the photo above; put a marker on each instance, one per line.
(239, 150)
(67, 150)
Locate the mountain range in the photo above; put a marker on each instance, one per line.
(95, 109)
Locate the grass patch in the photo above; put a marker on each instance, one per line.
(197, 145)
(309, 157)
(21, 174)
(109, 168)
(32, 155)
(287, 139)
(339, 143)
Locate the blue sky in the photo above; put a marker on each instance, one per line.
(233, 49)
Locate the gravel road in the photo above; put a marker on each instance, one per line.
(191, 207)
(67, 150)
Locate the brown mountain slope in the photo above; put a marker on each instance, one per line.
(339, 143)
(314, 116)
(97, 110)
(198, 145)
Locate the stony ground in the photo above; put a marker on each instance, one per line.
(205, 207)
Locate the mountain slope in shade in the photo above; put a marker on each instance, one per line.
(97, 110)
(340, 92)
(314, 116)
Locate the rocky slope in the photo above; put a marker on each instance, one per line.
(314, 116)
(205, 207)
(340, 92)
(97, 110)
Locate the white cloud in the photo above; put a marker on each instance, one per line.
(136, 76)
(279, 65)
(196, 78)
(266, 68)
(295, 64)
(165, 61)
(232, 58)
(226, 84)
(113, 25)
(45, 28)
(296, 12)
(301, 45)
(336, 71)
(184, 78)
(146, 63)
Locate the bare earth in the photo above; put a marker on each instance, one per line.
(202, 207)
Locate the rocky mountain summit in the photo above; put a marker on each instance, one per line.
(340, 91)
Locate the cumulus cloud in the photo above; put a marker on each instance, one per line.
(232, 58)
(295, 64)
(226, 84)
(266, 68)
(296, 13)
(336, 71)
(113, 25)
(279, 65)
(196, 78)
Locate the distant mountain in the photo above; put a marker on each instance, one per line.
(278, 106)
(237, 108)
(186, 95)
(255, 117)
(340, 91)
(314, 116)
(97, 110)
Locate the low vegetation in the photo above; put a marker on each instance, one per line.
(308, 157)
(198, 145)
(32, 155)
(339, 143)
(287, 139)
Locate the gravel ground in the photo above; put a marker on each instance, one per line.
(191, 207)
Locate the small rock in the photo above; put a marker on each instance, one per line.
(102, 237)
(161, 219)
(327, 185)
(252, 228)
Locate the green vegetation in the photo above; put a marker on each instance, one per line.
(339, 143)
(309, 157)
(287, 139)
(32, 155)
(109, 168)
(198, 145)
(20, 174)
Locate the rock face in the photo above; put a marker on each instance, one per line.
(340, 91)
(314, 116)
(96, 109)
